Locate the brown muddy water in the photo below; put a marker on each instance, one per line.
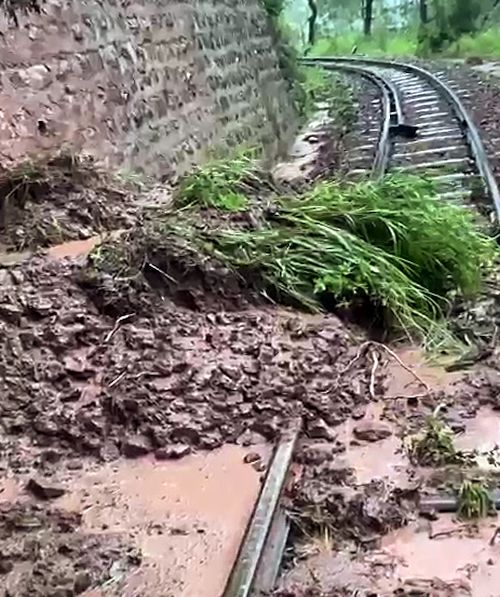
(186, 517)
(438, 558)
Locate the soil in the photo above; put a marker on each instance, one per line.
(132, 406)
(81, 388)
(63, 199)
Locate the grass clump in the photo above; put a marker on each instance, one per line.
(302, 261)
(220, 184)
(435, 446)
(382, 241)
(437, 243)
(474, 500)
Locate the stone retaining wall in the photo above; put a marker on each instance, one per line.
(149, 84)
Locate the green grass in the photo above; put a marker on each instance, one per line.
(485, 44)
(474, 500)
(391, 245)
(402, 216)
(380, 44)
(384, 241)
(435, 446)
(221, 184)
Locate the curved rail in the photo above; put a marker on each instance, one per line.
(469, 128)
(388, 99)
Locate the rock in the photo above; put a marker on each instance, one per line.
(251, 457)
(82, 582)
(186, 432)
(318, 429)
(11, 313)
(172, 452)
(260, 467)
(134, 447)
(45, 426)
(359, 412)
(372, 431)
(5, 566)
(44, 490)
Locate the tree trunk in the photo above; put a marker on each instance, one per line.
(424, 12)
(311, 39)
(368, 17)
(489, 14)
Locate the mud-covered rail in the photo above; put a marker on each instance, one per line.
(431, 131)
(260, 555)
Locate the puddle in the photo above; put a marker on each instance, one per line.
(461, 554)
(402, 383)
(74, 248)
(382, 459)
(188, 517)
(482, 433)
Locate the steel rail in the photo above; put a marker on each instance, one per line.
(469, 129)
(389, 97)
(267, 514)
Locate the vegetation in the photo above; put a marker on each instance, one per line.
(435, 446)
(377, 244)
(474, 500)
(220, 184)
(330, 88)
(401, 27)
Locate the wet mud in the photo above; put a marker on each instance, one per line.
(357, 525)
(63, 199)
(156, 386)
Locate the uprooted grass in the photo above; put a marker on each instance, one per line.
(224, 183)
(474, 500)
(435, 446)
(392, 243)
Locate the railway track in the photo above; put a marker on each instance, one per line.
(423, 129)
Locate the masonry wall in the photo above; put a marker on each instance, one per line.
(151, 84)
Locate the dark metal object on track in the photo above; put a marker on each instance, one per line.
(389, 98)
(449, 503)
(469, 128)
(259, 558)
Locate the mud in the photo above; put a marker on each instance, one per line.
(80, 386)
(315, 153)
(64, 199)
(356, 525)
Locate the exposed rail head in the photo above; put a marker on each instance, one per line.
(381, 161)
(470, 129)
(243, 575)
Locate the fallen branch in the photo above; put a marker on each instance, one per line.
(373, 373)
(117, 325)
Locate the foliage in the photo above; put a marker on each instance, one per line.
(221, 183)
(382, 241)
(325, 86)
(379, 44)
(485, 44)
(274, 8)
(401, 216)
(435, 446)
(474, 500)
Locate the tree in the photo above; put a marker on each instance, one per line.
(367, 8)
(311, 38)
(423, 11)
